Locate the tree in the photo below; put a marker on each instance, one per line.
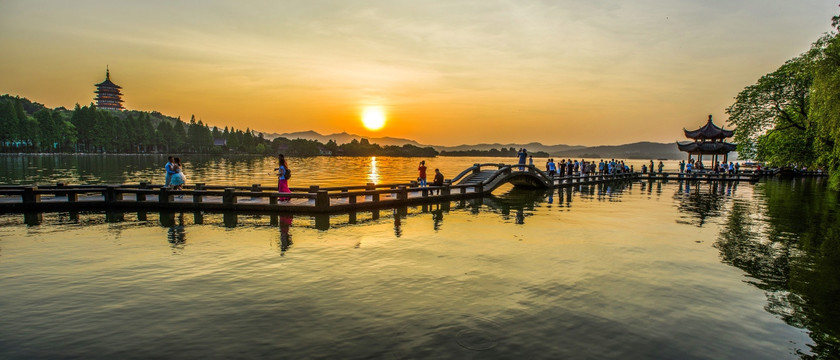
(8, 122)
(164, 135)
(179, 136)
(778, 101)
(774, 118)
(825, 105)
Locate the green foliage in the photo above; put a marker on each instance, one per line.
(825, 106)
(778, 100)
(786, 147)
(792, 115)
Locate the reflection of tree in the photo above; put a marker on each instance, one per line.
(796, 261)
(701, 201)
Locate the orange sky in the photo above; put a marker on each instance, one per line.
(447, 72)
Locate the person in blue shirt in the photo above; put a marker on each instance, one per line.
(523, 156)
(169, 172)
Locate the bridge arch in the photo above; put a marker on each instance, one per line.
(491, 176)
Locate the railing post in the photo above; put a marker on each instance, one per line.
(402, 193)
(197, 197)
(111, 195)
(164, 196)
(372, 187)
(446, 189)
(322, 200)
(140, 195)
(272, 198)
(255, 188)
(198, 186)
(29, 195)
(228, 198)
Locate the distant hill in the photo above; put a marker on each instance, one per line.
(342, 138)
(639, 150)
(531, 147)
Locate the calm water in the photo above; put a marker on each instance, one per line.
(637, 271)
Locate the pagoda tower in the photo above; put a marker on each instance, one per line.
(108, 95)
(708, 140)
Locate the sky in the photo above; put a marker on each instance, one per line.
(447, 72)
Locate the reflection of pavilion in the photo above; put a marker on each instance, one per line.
(708, 140)
(704, 203)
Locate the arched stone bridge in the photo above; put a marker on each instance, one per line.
(491, 176)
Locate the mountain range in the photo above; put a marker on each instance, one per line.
(638, 150)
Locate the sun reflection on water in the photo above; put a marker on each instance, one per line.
(373, 174)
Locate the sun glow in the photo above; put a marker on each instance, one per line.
(373, 117)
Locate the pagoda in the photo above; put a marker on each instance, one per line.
(708, 140)
(108, 95)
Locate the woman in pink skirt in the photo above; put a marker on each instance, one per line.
(283, 173)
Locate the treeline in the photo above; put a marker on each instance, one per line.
(363, 147)
(27, 126)
(791, 116)
(504, 152)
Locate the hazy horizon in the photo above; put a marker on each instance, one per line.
(445, 73)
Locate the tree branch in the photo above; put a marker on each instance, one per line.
(787, 118)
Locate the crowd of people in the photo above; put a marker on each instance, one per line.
(718, 167)
(569, 167)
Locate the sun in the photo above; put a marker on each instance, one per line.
(373, 117)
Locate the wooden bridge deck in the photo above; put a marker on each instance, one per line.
(473, 182)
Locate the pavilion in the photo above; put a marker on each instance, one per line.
(708, 140)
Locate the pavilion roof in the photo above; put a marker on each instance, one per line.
(107, 82)
(708, 131)
(707, 147)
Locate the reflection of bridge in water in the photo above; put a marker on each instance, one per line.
(695, 199)
(515, 201)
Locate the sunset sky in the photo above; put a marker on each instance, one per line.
(445, 72)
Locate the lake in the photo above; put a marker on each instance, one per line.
(635, 270)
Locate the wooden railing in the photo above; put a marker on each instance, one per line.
(314, 199)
